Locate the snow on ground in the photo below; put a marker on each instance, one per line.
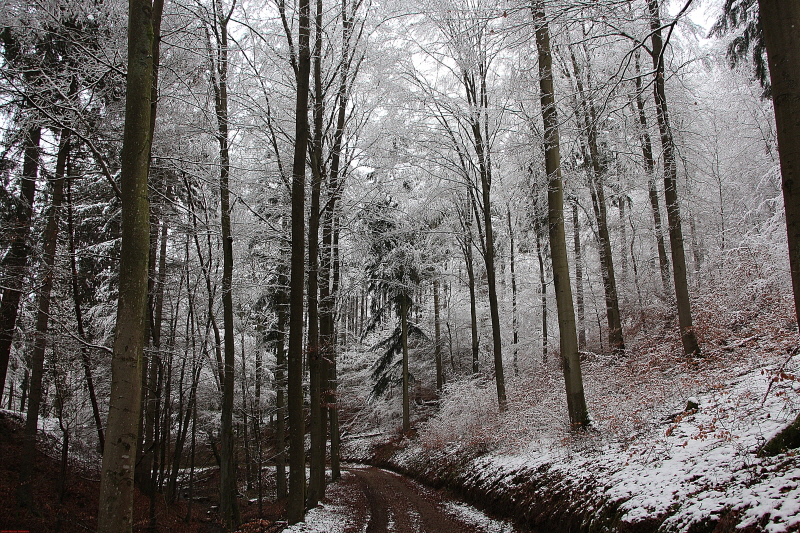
(678, 467)
(476, 518)
(329, 517)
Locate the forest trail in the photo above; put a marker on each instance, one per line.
(399, 505)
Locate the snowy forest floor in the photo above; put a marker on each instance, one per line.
(651, 462)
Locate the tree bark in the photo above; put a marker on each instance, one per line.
(76, 296)
(246, 443)
(256, 418)
(280, 401)
(437, 346)
(473, 311)
(688, 337)
(404, 339)
(229, 503)
(25, 494)
(16, 258)
(585, 109)
(514, 312)
(576, 402)
(650, 170)
(579, 296)
(780, 21)
(537, 230)
(316, 485)
(333, 377)
(297, 473)
(116, 483)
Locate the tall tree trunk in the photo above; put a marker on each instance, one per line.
(780, 21)
(62, 471)
(146, 450)
(295, 510)
(229, 503)
(76, 296)
(514, 312)
(688, 337)
(542, 286)
(466, 245)
(576, 402)
(334, 380)
(650, 169)
(116, 482)
(16, 258)
(316, 485)
(437, 347)
(24, 393)
(579, 296)
(246, 443)
(257, 414)
(586, 109)
(24, 494)
(280, 401)
(155, 408)
(404, 340)
(479, 100)
(622, 199)
(191, 462)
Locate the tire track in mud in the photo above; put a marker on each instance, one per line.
(400, 505)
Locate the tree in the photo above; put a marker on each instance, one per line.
(688, 336)
(24, 63)
(218, 57)
(17, 256)
(25, 496)
(745, 16)
(116, 481)
(297, 470)
(394, 271)
(576, 403)
(781, 21)
(780, 24)
(316, 367)
(586, 115)
(650, 170)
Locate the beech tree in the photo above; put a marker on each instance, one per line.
(780, 23)
(116, 482)
(218, 51)
(297, 471)
(576, 403)
(691, 347)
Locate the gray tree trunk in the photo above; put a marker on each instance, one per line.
(437, 347)
(579, 296)
(688, 337)
(25, 494)
(16, 259)
(295, 510)
(514, 312)
(780, 21)
(116, 481)
(650, 169)
(576, 402)
(404, 340)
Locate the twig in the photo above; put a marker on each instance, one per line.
(792, 353)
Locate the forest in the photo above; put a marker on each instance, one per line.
(540, 256)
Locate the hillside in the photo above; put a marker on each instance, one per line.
(674, 444)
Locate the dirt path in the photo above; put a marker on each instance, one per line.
(399, 505)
